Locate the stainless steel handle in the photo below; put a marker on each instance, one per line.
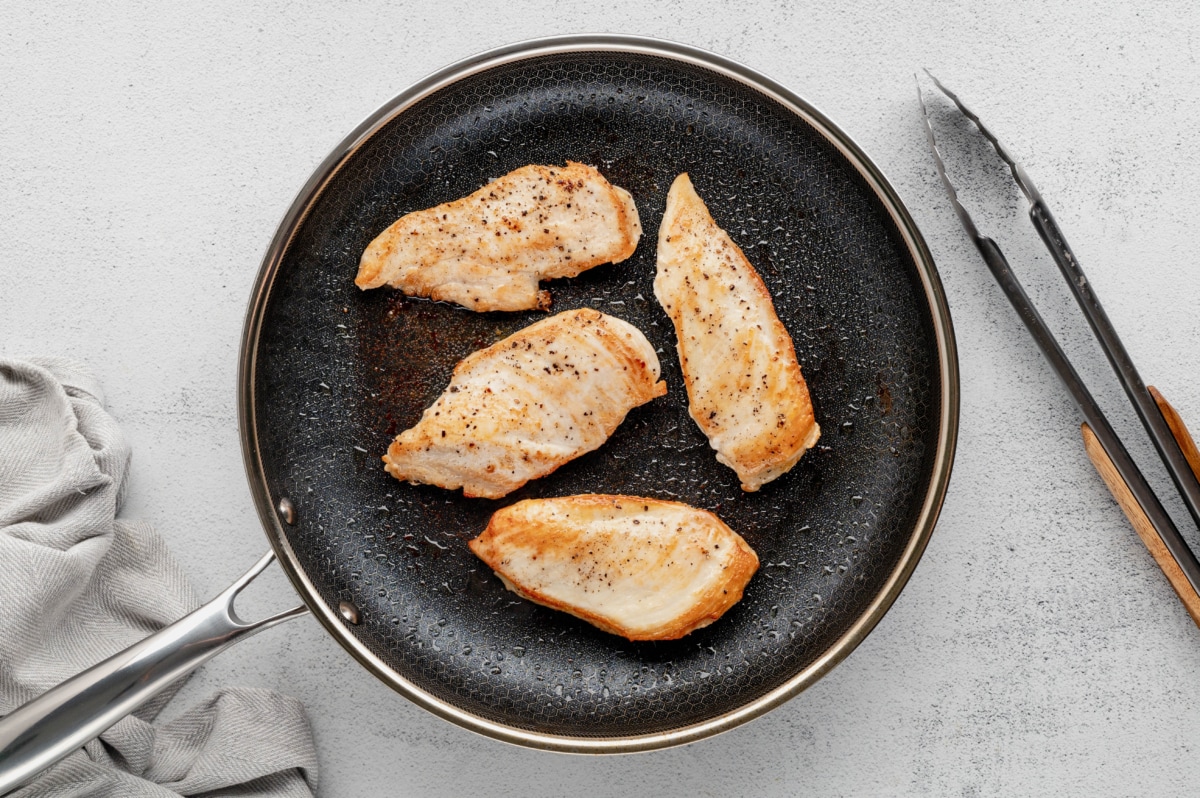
(38, 734)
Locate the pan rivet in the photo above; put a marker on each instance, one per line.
(349, 612)
(287, 510)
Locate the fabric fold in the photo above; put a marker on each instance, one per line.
(78, 585)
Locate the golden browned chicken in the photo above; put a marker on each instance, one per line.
(744, 386)
(488, 251)
(525, 405)
(640, 568)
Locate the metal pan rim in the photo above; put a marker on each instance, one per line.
(935, 298)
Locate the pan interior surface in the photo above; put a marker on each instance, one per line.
(338, 372)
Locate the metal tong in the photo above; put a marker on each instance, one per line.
(1118, 470)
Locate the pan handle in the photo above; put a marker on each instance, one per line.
(38, 734)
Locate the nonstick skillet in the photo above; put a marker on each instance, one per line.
(330, 374)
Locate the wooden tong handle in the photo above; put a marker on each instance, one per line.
(1133, 511)
(1178, 429)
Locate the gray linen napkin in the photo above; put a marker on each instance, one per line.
(77, 585)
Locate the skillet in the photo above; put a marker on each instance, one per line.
(328, 375)
(331, 374)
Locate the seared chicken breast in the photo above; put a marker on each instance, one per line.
(522, 407)
(744, 386)
(488, 251)
(640, 568)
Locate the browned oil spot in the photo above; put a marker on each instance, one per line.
(884, 394)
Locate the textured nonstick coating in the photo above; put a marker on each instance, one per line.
(339, 372)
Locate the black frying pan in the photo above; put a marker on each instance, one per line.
(330, 374)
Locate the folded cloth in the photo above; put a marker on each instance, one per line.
(78, 585)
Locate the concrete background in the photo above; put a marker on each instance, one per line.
(149, 151)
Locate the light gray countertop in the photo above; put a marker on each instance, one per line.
(150, 151)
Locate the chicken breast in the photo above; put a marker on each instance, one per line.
(744, 386)
(640, 568)
(529, 403)
(488, 251)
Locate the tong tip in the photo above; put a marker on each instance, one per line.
(963, 215)
(1018, 172)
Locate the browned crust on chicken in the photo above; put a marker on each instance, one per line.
(526, 405)
(487, 251)
(744, 384)
(614, 561)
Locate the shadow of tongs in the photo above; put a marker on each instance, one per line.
(1104, 448)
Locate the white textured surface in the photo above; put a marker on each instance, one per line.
(149, 151)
